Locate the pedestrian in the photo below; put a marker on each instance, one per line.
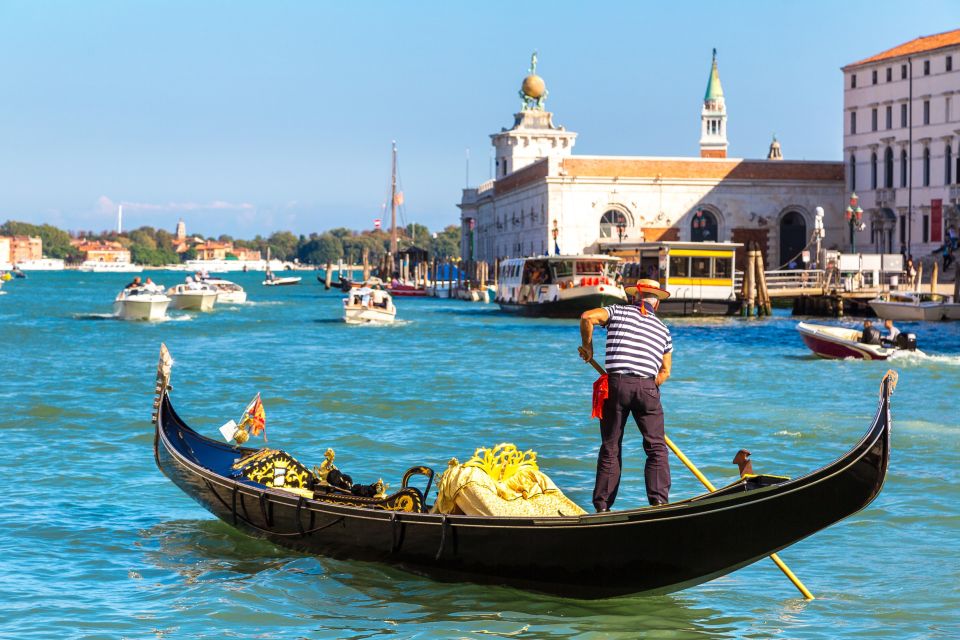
(911, 272)
(639, 357)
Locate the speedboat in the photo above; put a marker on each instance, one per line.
(406, 290)
(912, 306)
(558, 286)
(193, 296)
(369, 303)
(273, 281)
(227, 292)
(841, 342)
(146, 302)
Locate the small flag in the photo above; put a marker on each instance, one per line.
(255, 417)
(398, 198)
(376, 223)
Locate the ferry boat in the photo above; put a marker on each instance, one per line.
(698, 275)
(561, 286)
(100, 266)
(44, 264)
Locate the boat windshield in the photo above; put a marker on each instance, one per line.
(562, 268)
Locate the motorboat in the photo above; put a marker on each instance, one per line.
(144, 302)
(561, 286)
(273, 281)
(43, 264)
(406, 290)
(842, 342)
(656, 549)
(369, 303)
(227, 292)
(193, 296)
(101, 266)
(913, 306)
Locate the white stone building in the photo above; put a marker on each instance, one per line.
(545, 199)
(901, 140)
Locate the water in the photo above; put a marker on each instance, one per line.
(97, 543)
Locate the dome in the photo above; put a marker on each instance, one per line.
(534, 86)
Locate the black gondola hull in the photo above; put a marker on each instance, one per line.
(650, 550)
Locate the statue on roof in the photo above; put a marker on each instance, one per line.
(533, 91)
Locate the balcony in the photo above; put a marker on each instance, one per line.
(886, 197)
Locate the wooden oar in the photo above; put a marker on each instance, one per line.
(709, 485)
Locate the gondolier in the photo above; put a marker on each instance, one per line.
(638, 360)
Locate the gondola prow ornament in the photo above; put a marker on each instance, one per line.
(253, 422)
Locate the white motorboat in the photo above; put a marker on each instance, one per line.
(146, 302)
(369, 303)
(273, 281)
(193, 296)
(100, 266)
(227, 292)
(841, 342)
(44, 264)
(912, 306)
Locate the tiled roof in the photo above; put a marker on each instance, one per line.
(918, 45)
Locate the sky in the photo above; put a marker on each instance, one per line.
(251, 117)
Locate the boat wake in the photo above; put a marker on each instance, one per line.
(94, 316)
(907, 358)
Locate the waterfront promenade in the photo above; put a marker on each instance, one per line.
(126, 554)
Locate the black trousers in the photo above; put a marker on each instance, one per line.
(641, 397)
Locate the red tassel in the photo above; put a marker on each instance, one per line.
(600, 392)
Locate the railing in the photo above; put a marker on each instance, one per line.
(783, 279)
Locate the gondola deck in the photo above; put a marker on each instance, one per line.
(646, 550)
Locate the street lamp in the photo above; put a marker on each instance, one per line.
(854, 216)
(621, 228)
(555, 231)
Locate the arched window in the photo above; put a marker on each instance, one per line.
(703, 226)
(609, 222)
(853, 172)
(903, 167)
(926, 167)
(873, 170)
(947, 165)
(888, 168)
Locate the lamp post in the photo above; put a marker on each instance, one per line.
(555, 231)
(854, 216)
(621, 228)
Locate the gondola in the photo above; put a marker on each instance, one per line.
(646, 550)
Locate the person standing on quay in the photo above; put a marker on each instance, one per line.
(639, 356)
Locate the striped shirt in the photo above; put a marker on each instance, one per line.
(636, 343)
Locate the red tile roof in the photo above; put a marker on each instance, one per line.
(918, 45)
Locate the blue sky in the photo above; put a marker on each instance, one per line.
(245, 118)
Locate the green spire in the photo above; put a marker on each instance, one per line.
(714, 90)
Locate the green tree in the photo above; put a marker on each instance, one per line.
(446, 244)
(418, 235)
(56, 242)
(325, 249)
(283, 245)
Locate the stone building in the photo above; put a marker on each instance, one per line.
(901, 142)
(546, 199)
(106, 251)
(17, 249)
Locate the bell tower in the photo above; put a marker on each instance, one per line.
(713, 117)
(533, 135)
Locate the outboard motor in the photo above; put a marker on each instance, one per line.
(907, 341)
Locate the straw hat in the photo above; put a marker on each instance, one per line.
(644, 286)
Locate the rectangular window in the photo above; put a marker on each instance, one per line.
(853, 81)
(903, 72)
(903, 116)
(949, 66)
(873, 119)
(946, 109)
(926, 72)
(722, 267)
(679, 267)
(853, 122)
(889, 117)
(889, 74)
(903, 229)
(926, 112)
(700, 268)
(873, 76)
(926, 228)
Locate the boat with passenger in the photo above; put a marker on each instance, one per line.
(915, 306)
(842, 342)
(143, 302)
(227, 292)
(193, 296)
(698, 275)
(655, 549)
(369, 303)
(560, 286)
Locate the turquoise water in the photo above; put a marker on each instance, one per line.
(97, 543)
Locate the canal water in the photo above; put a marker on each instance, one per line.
(96, 543)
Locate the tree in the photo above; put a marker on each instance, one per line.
(446, 244)
(326, 249)
(56, 242)
(283, 245)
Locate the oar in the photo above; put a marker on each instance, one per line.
(703, 479)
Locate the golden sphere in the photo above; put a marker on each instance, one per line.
(534, 86)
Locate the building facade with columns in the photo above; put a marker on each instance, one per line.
(901, 141)
(545, 199)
